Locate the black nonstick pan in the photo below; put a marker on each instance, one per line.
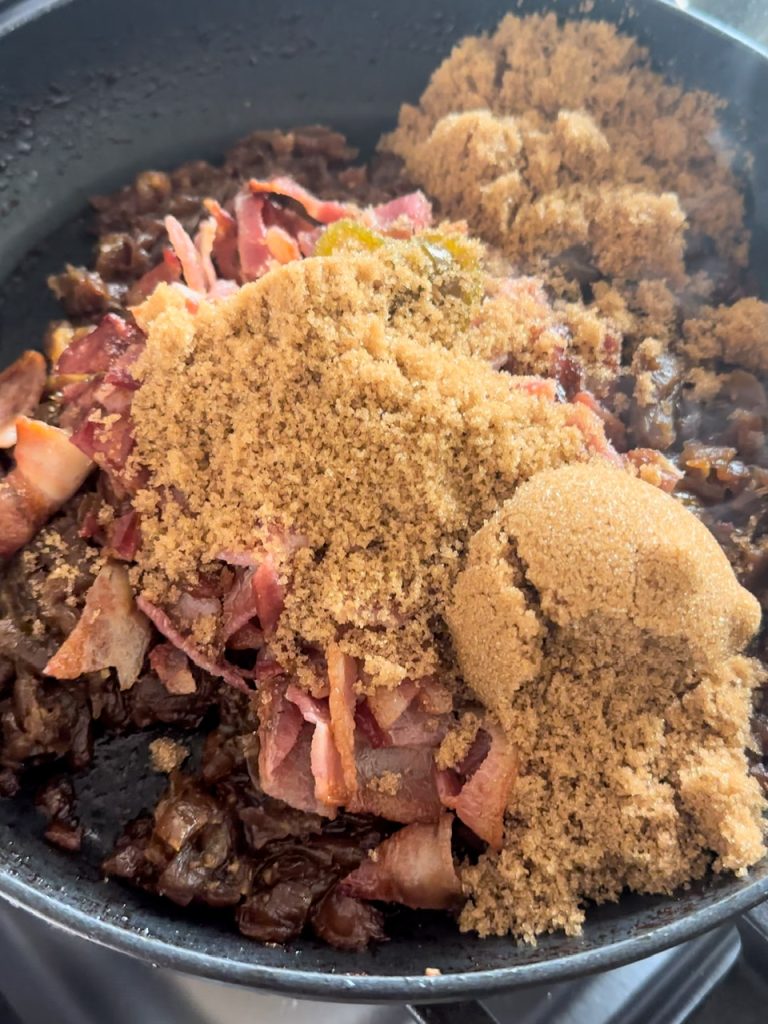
(92, 91)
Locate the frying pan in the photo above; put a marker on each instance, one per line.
(92, 91)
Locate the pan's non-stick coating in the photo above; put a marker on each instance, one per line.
(92, 91)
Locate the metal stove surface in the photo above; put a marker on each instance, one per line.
(47, 975)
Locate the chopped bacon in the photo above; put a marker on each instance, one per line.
(324, 757)
(185, 249)
(267, 668)
(417, 728)
(269, 595)
(111, 633)
(48, 471)
(248, 638)
(368, 727)
(121, 380)
(282, 246)
(99, 349)
(124, 536)
(167, 271)
(163, 623)
(538, 387)
(482, 800)
(413, 867)
(239, 605)
(416, 798)
(615, 430)
(225, 241)
(204, 239)
(21, 387)
(282, 722)
(254, 256)
(388, 703)
(285, 753)
(47, 461)
(323, 210)
(413, 211)
(307, 240)
(171, 666)
(342, 675)
(591, 426)
(193, 606)
(108, 441)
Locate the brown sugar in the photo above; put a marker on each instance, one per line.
(388, 783)
(337, 400)
(457, 742)
(560, 136)
(166, 755)
(604, 626)
(430, 515)
(736, 334)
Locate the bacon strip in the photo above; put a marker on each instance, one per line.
(167, 271)
(324, 757)
(225, 241)
(482, 801)
(342, 675)
(388, 703)
(111, 632)
(204, 240)
(48, 471)
(413, 768)
(191, 261)
(99, 349)
(21, 387)
(254, 255)
(413, 867)
(538, 387)
(171, 666)
(413, 210)
(282, 246)
(269, 595)
(285, 753)
(239, 605)
(164, 624)
(323, 210)
(591, 426)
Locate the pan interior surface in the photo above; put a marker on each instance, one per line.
(143, 88)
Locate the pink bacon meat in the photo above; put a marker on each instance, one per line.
(413, 867)
(21, 388)
(111, 632)
(481, 801)
(49, 470)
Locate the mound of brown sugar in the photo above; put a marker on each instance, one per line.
(336, 400)
(603, 624)
(561, 137)
(735, 334)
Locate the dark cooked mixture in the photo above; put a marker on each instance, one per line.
(213, 839)
(631, 362)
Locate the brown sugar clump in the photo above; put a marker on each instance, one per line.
(166, 755)
(736, 334)
(336, 400)
(603, 624)
(561, 136)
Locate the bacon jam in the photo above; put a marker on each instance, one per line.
(387, 482)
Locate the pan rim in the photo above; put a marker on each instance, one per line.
(355, 987)
(351, 987)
